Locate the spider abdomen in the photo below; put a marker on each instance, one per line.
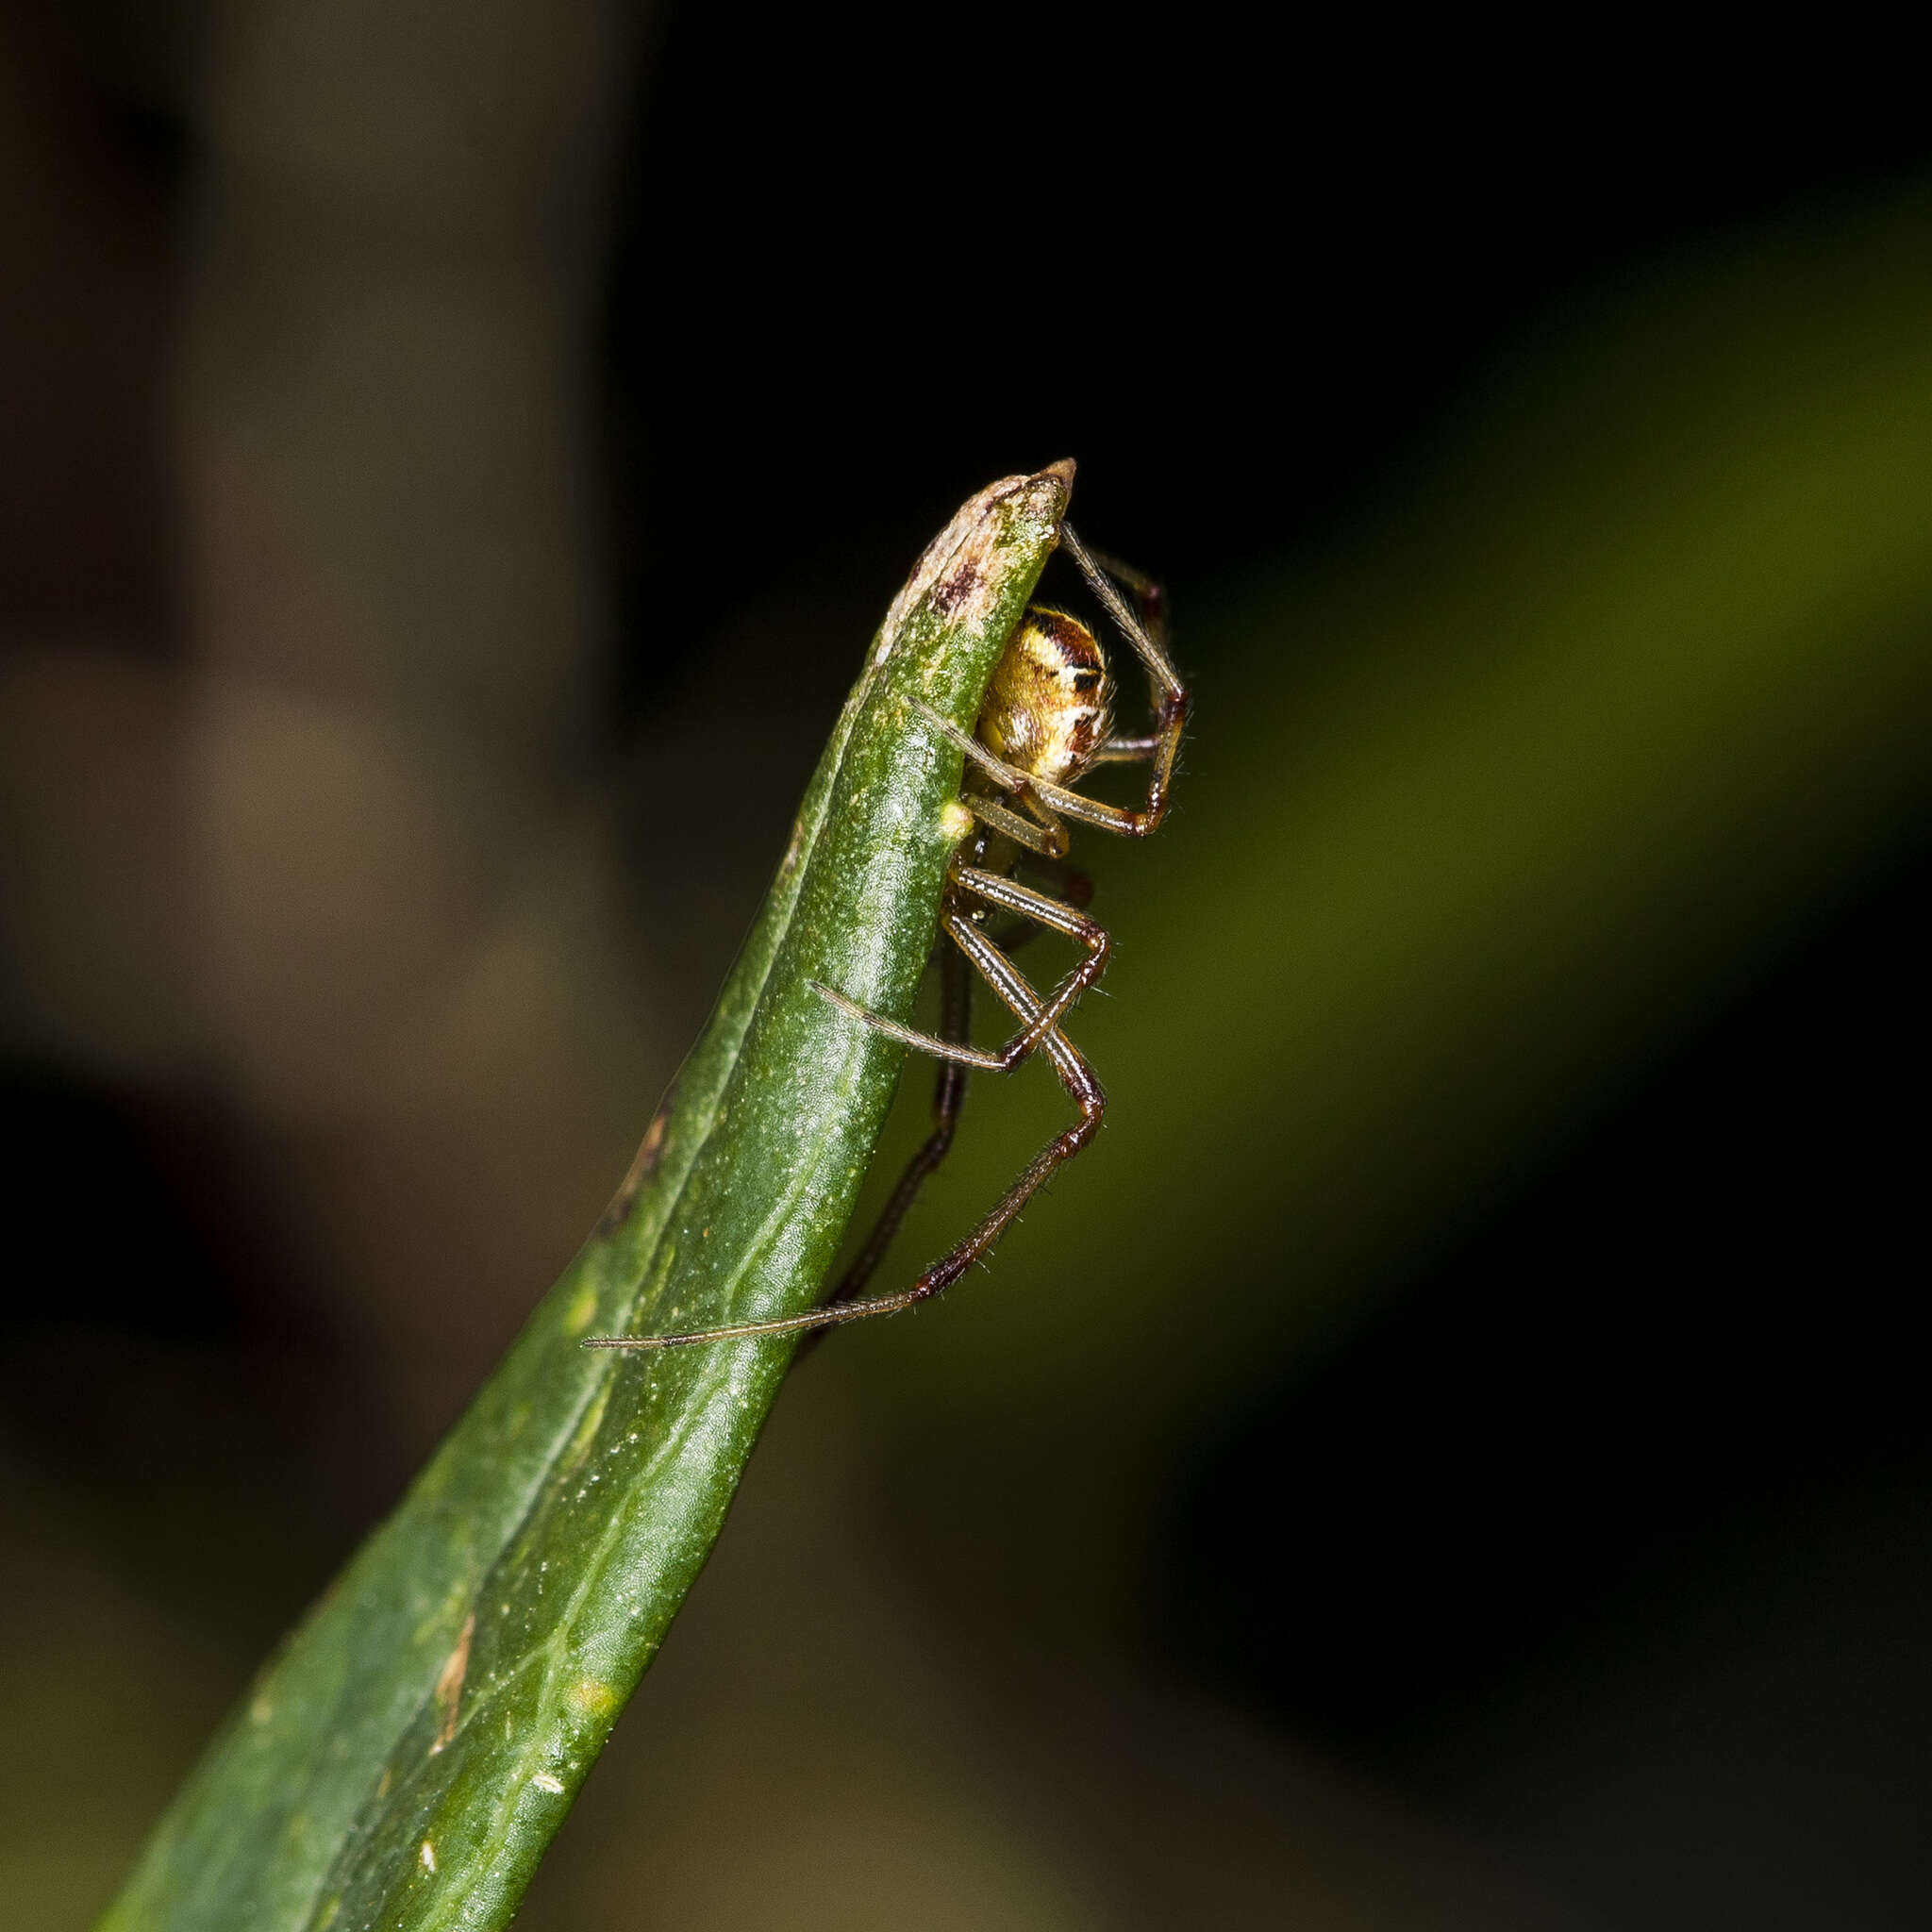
(1049, 706)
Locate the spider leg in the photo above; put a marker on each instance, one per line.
(1149, 639)
(1123, 751)
(1150, 600)
(1043, 833)
(1168, 695)
(1009, 896)
(1075, 1075)
(1069, 885)
(949, 1093)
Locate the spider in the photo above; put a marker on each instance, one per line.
(1046, 721)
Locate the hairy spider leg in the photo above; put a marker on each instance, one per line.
(1042, 835)
(948, 1096)
(949, 1093)
(1009, 896)
(1150, 605)
(1150, 599)
(1075, 1075)
(1040, 831)
(1166, 695)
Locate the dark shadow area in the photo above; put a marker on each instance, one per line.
(1241, 281)
(1636, 1469)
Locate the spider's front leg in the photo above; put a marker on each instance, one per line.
(1147, 633)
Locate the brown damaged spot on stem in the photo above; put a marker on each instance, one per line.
(449, 1685)
(642, 1167)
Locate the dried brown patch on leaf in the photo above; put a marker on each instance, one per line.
(643, 1165)
(449, 1685)
(957, 587)
(933, 559)
(957, 568)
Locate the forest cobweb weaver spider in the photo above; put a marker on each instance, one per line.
(1046, 721)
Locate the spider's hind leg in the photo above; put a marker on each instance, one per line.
(1069, 886)
(949, 1095)
(1075, 1075)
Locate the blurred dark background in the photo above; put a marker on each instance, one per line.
(1454, 1453)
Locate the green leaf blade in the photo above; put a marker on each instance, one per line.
(407, 1756)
